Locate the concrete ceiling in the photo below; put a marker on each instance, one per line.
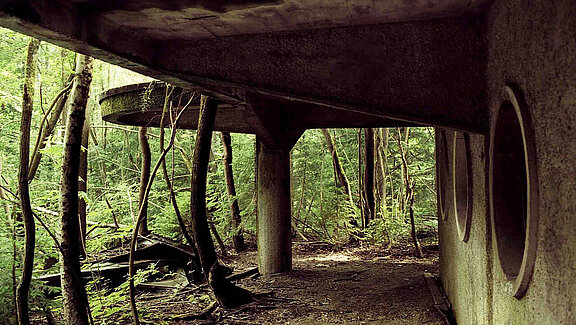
(198, 19)
(410, 61)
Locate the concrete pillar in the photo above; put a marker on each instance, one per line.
(274, 210)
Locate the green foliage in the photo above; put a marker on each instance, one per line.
(110, 306)
(321, 210)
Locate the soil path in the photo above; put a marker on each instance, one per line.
(367, 285)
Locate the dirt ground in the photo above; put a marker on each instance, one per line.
(360, 285)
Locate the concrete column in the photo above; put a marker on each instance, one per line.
(274, 210)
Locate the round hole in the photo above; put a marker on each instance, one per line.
(513, 196)
(441, 173)
(462, 177)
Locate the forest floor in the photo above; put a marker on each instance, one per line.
(357, 285)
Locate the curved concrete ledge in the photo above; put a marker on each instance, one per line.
(142, 104)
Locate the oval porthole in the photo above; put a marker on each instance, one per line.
(513, 191)
(442, 175)
(462, 183)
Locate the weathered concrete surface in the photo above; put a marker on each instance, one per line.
(428, 72)
(197, 19)
(142, 104)
(531, 44)
(463, 265)
(274, 220)
(425, 71)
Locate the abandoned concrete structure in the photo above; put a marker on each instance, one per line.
(497, 79)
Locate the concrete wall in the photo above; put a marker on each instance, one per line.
(532, 45)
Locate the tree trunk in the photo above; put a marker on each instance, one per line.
(369, 175)
(144, 177)
(197, 274)
(227, 294)
(82, 182)
(237, 237)
(417, 249)
(47, 130)
(23, 189)
(409, 185)
(380, 151)
(361, 197)
(74, 299)
(138, 222)
(341, 175)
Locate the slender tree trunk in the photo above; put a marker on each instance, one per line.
(417, 249)
(197, 274)
(361, 196)
(256, 150)
(200, 227)
(47, 130)
(369, 175)
(138, 222)
(341, 175)
(216, 235)
(74, 299)
(82, 181)
(302, 190)
(409, 185)
(380, 150)
(384, 166)
(237, 237)
(23, 189)
(144, 177)
(227, 294)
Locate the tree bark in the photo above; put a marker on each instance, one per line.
(227, 294)
(237, 237)
(138, 222)
(74, 299)
(381, 150)
(23, 189)
(409, 185)
(200, 159)
(361, 196)
(82, 182)
(341, 175)
(415, 242)
(47, 130)
(368, 183)
(144, 177)
(197, 273)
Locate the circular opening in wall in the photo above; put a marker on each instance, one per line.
(442, 175)
(462, 183)
(513, 196)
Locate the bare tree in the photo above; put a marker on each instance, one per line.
(144, 177)
(83, 180)
(368, 183)
(409, 184)
(380, 152)
(237, 238)
(47, 128)
(74, 299)
(23, 189)
(338, 169)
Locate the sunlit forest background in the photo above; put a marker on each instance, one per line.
(320, 209)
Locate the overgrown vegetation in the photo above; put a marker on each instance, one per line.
(321, 209)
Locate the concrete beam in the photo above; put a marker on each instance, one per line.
(427, 72)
